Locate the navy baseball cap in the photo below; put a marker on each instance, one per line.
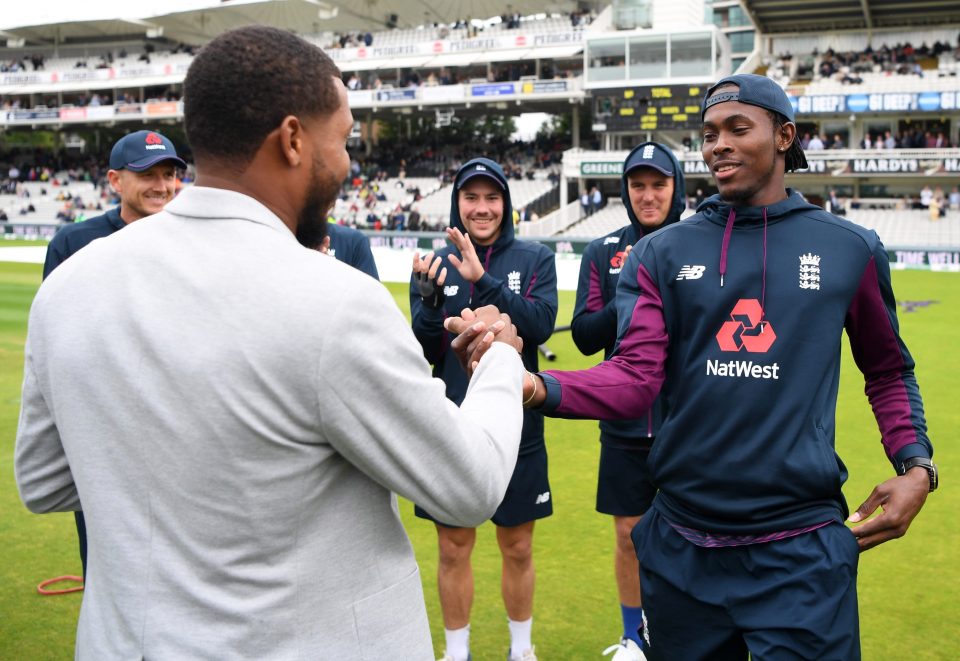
(649, 156)
(765, 93)
(142, 150)
(477, 170)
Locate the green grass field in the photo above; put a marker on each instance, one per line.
(909, 588)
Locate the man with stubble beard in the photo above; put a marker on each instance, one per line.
(209, 399)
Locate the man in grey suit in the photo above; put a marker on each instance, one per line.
(236, 412)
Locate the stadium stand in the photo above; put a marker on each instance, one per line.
(418, 78)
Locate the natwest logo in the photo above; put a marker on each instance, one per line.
(153, 139)
(617, 260)
(747, 329)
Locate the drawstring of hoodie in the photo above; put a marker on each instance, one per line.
(763, 277)
(725, 248)
(727, 231)
(486, 268)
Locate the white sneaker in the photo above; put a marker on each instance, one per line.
(527, 655)
(625, 650)
(447, 657)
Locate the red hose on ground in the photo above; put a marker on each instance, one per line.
(42, 588)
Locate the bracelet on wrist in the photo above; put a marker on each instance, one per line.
(533, 377)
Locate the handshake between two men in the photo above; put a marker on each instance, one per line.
(476, 331)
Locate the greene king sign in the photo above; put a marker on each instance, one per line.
(599, 168)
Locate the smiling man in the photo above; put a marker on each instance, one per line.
(652, 188)
(735, 318)
(488, 266)
(143, 172)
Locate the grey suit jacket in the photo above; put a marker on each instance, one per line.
(235, 413)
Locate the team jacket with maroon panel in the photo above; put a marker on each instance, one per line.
(520, 278)
(594, 325)
(737, 313)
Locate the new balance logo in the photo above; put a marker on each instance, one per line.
(451, 290)
(694, 272)
(543, 498)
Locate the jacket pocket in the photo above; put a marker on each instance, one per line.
(392, 623)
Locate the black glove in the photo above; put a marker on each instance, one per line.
(430, 290)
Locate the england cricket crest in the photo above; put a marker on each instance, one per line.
(809, 271)
(513, 281)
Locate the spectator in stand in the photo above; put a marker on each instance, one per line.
(585, 203)
(889, 142)
(596, 199)
(413, 221)
(954, 198)
(815, 144)
(836, 206)
(837, 142)
(926, 196)
(936, 208)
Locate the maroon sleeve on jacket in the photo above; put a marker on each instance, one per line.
(887, 366)
(626, 385)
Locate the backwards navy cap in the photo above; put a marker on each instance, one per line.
(142, 150)
(477, 170)
(765, 93)
(649, 157)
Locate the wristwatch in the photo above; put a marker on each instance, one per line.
(926, 465)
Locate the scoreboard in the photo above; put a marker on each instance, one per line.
(664, 107)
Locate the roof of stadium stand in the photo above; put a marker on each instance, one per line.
(790, 16)
(206, 19)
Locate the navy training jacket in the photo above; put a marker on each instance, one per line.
(594, 325)
(520, 279)
(738, 314)
(351, 246)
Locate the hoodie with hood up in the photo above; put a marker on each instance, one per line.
(520, 278)
(737, 313)
(594, 325)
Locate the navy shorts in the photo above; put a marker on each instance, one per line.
(528, 496)
(794, 598)
(623, 482)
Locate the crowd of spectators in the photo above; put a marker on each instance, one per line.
(471, 28)
(847, 66)
(364, 198)
(413, 78)
(910, 139)
(20, 64)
